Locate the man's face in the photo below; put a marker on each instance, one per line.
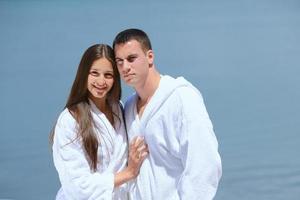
(133, 63)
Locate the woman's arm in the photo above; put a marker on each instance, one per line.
(77, 180)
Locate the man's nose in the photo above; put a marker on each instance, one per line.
(126, 66)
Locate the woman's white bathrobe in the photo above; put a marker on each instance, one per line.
(77, 180)
(184, 162)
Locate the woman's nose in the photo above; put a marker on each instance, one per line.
(100, 81)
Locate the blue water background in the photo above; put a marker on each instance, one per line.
(244, 56)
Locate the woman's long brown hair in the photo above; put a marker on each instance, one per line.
(78, 103)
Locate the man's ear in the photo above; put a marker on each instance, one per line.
(150, 57)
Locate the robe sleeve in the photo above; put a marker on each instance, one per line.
(77, 180)
(199, 150)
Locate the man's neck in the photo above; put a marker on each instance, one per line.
(146, 91)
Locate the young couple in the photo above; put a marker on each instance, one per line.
(167, 149)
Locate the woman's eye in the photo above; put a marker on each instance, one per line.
(94, 73)
(108, 75)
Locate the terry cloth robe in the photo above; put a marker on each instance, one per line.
(77, 180)
(184, 162)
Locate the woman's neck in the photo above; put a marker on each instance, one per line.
(103, 106)
(100, 103)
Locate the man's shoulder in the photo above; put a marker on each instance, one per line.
(188, 96)
(187, 91)
(130, 101)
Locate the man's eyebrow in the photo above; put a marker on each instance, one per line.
(129, 56)
(117, 58)
(132, 55)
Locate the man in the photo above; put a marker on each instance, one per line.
(170, 114)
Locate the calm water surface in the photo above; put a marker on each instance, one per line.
(242, 55)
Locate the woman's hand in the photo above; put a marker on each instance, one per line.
(138, 151)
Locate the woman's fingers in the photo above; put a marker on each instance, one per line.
(137, 141)
(139, 149)
(142, 152)
(142, 147)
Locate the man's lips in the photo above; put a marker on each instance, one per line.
(128, 75)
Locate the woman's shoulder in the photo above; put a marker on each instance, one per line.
(66, 118)
(65, 128)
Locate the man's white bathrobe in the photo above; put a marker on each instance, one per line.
(184, 162)
(77, 180)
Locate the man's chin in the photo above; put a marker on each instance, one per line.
(130, 82)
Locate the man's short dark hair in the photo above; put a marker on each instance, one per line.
(133, 34)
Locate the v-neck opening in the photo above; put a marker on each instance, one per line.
(149, 104)
(135, 111)
(100, 115)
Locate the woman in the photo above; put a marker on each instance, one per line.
(89, 139)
